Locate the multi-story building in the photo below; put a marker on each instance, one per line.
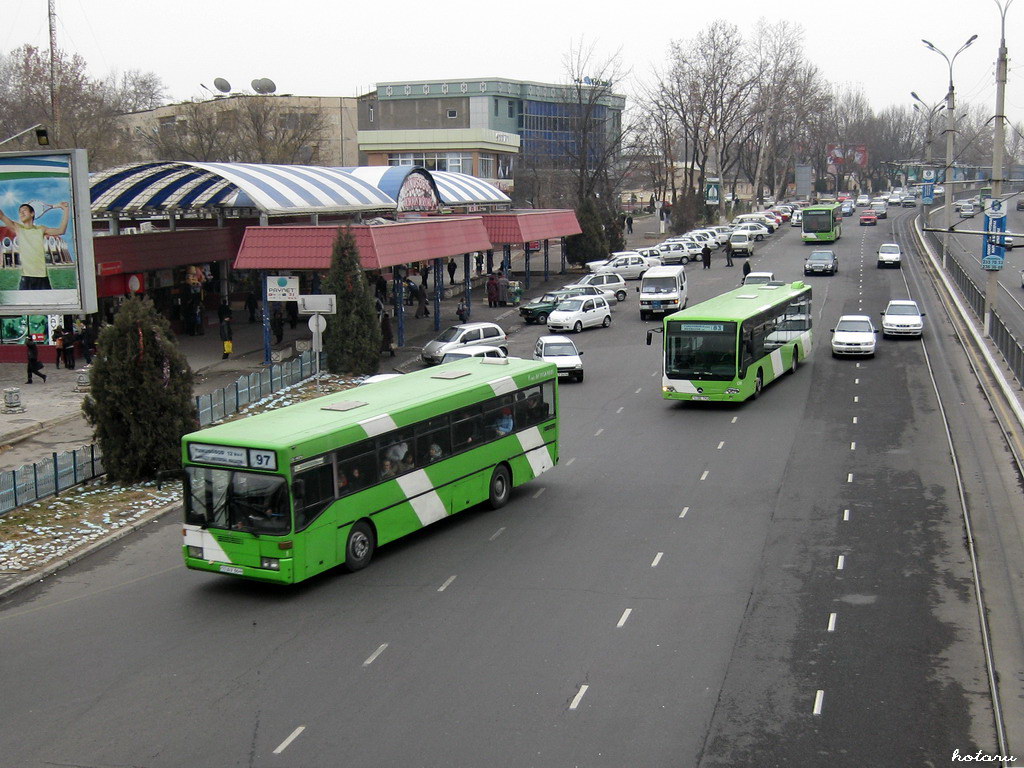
(483, 126)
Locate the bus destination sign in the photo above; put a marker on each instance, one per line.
(230, 456)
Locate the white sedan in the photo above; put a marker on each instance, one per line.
(854, 335)
(629, 264)
(902, 317)
(757, 231)
(579, 313)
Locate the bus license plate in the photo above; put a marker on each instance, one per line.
(701, 397)
(232, 569)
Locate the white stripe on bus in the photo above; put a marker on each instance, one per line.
(503, 386)
(378, 425)
(422, 497)
(776, 358)
(197, 537)
(536, 452)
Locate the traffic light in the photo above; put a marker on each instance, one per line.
(42, 137)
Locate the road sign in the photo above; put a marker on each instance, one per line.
(318, 304)
(317, 324)
(993, 252)
(928, 174)
(996, 209)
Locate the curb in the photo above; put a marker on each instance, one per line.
(26, 432)
(83, 552)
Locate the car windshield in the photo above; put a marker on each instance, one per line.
(756, 279)
(559, 349)
(547, 298)
(902, 309)
(889, 249)
(658, 285)
(243, 501)
(450, 356)
(570, 305)
(702, 350)
(449, 334)
(820, 256)
(854, 326)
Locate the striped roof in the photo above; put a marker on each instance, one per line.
(272, 189)
(463, 189)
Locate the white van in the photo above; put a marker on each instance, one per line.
(662, 290)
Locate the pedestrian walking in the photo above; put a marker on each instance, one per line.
(746, 268)
(224, 311)
(226, 337)
(381, 285)
(292, 307)
(452, 266)
(728, 254)
(421, 297)
(250, 305)
(387, 339)
(705, 257)
(68, 346)
(502, 290)
(34, 366)
(492, 290)
(629, 225)
(277, 326)
(88, 339)
(479, 263)
(462, 311)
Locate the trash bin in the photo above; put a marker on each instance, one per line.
(515, 292)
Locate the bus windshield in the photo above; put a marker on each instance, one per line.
(818, 221)
(243, 501)
(702, 350)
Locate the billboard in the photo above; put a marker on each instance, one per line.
(46, 258)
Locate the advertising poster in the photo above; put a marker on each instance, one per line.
(46, 260)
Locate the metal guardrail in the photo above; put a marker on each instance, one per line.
(70, 468)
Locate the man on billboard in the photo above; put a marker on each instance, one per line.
(31, 244)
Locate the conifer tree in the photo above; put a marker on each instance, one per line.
(591, 244)
(352, 340)
(141, 402)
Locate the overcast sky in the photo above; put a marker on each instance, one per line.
(326, 47)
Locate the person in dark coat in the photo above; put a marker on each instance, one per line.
(387, 339)
(629, 225)
(224, 311)
(293, 313)
(746, 268)
(68, 338)
(492, 290)
(277, 326)
(479, 259)
(88, 339)
(728, 254)
(34, 366)
(452, 266)
(250, 305)
(502, 290)
(226, 336)
(705, 257)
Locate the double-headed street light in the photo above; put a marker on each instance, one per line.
(950, 128)
(929, 113)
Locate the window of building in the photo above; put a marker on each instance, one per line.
(485, 166)
(511, 108)
(453, 113)
(496, 106)
(371, 113)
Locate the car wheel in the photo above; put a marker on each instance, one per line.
(607, 321)
(542, 318)
(500, 488)
(758, 386)
(645, 316)
(759, 238)
(578, 328)
(620, 296)
(579, 376)
(359, 546)
(504, 349)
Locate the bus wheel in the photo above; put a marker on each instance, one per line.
(359, 547)
(796, 361)
(758, 386)
(501, 487)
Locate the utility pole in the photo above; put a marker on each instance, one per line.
(998, 143)
(54, 106)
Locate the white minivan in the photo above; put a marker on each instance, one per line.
(662, 289)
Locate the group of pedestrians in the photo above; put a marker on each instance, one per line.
(497, 290)
(705, 256)
(79, 335)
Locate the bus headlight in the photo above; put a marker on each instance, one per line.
(270, 563)
(194, 551)
(668, 388)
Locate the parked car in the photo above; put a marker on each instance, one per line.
(471, 350)
(797, 219)
(561, 351)
(757, 231)
(890, 255)
(580, 312)
(594, 290)
(902, 317)
(723, 233)
(869, 219)
(759, 278)
(854, 335)
(679, 251)
(459, 335)
(630, 264)
(742, 243)
(609, 282)
(822, 262)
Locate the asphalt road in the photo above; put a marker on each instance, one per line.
(671, 594)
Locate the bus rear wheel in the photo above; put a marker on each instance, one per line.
(501, 487)
(359, 547)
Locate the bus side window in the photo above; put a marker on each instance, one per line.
(466, 428)
(317, 493)
(356, 468)
(498, 418)
(433, 440)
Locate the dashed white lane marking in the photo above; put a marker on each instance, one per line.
(683, 513)
(849, 478)
(657, 559)
(819, 699)
(655, 373)
(570, 461)
(846, 515)
(539, 492)
(579, 697)
(853, 446)
(625, 615)
(841, 563)
(444, 586)
(598, 433)
(375, 654)
(856, 398)
(854, 419)
(831, 622)
(620, 409)
(735, 419)
(497, 533)
(720, 445)
(856, 381)
(638, 390)
(704, 475)
(284, 744)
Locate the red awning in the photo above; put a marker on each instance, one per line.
(384, 245)
(527, 226)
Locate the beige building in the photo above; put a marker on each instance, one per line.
(305, 130)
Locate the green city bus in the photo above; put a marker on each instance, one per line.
(283, 495)
(727, 348)
(822, 223)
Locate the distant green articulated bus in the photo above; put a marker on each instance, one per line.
(284, 495)
(729, 347)
(822, 223)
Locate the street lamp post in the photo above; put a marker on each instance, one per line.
(950, 128)
(929, 114)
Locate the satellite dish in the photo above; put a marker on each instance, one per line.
(263, 85)
(222, 85)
